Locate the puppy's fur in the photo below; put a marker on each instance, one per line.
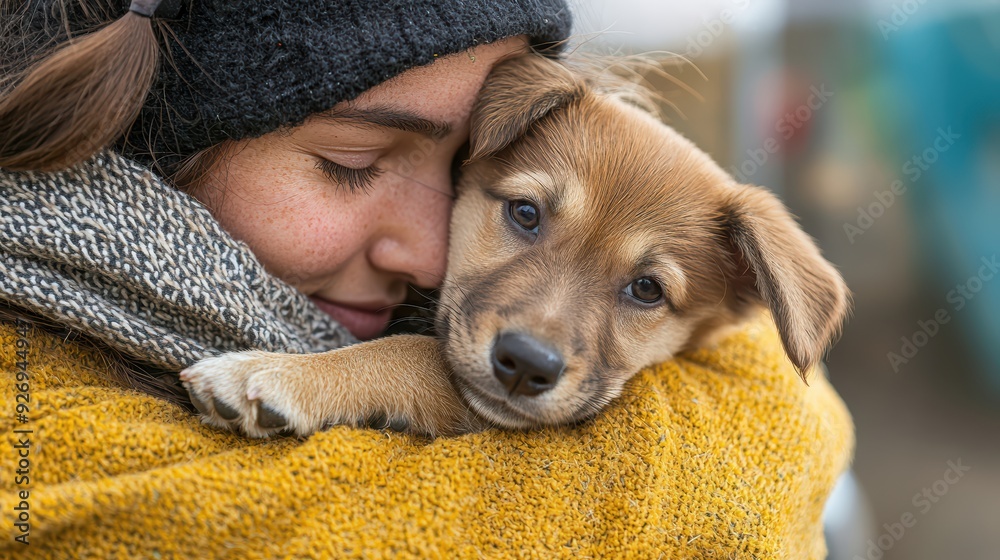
(620, 196)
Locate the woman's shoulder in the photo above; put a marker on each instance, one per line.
(55, 383)
(48, 361)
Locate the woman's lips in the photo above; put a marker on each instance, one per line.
(364, 322)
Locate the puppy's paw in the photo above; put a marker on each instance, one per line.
(245, 391)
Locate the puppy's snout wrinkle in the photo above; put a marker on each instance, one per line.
(524, 365)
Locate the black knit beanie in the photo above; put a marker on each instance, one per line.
(236, 69)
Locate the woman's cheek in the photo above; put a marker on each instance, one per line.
(312, 244)
(300, 231)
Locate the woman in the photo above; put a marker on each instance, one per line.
(278, 183)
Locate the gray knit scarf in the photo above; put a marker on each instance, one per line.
(109, 250)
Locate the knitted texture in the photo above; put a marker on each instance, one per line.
(109, 250)
(720, 453)
(241, 68)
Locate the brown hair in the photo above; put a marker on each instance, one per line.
(63, 98)
(75, 98)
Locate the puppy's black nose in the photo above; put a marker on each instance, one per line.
(524, 365)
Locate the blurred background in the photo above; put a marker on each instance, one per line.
(878, 123)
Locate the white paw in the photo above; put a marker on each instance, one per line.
(245, 391)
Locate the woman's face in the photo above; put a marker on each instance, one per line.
(354, 204)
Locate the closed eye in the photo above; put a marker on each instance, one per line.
(354, 179)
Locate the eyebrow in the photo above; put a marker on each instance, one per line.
(388, 118)
(674, 275)
(546, 192)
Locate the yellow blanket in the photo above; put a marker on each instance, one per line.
(718, 454)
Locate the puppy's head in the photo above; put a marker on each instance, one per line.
(590, 240)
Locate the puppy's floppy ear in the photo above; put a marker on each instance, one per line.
(517, 93)
(778, 265)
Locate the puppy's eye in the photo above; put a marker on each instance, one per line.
(645, 289)
(524, 214)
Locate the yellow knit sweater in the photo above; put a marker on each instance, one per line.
(718, 454)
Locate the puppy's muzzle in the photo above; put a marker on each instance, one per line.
(524, 365)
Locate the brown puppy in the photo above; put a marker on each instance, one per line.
(588, 240)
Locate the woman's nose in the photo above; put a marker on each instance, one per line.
(413, 238)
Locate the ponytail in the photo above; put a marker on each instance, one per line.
(83, 96)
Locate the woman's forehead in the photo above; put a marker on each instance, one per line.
(443, 91)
